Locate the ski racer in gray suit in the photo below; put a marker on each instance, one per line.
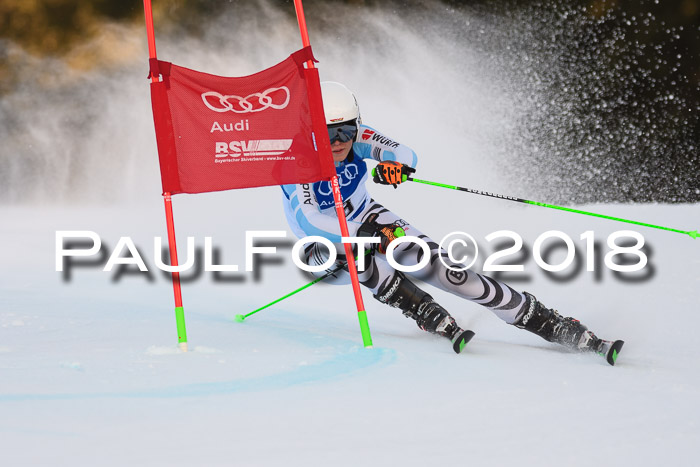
(310, 210)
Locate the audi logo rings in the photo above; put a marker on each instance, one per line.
(256, 102)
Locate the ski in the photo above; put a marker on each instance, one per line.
(610, 350)
(460, 340)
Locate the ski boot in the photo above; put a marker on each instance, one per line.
(400, 292)
(569, 332)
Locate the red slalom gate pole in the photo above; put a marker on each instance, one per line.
(172, 245)
(361, 313)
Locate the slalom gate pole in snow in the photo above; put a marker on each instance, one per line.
(172, 246)
(339, 208)
(693, 234)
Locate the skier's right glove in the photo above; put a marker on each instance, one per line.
(387, 233)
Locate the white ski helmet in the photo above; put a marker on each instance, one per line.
(339, 104)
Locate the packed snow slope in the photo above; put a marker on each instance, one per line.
(90, 372)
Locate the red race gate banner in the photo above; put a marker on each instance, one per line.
(218, 133)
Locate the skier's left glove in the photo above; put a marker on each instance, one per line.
(391, 173)
(387, 233)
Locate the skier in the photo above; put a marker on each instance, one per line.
(310, 210)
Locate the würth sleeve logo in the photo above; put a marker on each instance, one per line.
(376, 137)
(367, 134)
(272, 98)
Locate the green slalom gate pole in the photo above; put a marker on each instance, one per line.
(692, 234)
(316, 104)
(172, 246)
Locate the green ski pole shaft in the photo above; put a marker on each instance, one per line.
(240, 318)
(693, 234)
(337, 268)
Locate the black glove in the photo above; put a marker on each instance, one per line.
(386, 232)
(391, 173)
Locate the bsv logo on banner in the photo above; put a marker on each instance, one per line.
(259, 147)
(271, 98)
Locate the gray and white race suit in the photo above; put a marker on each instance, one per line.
(310, 210)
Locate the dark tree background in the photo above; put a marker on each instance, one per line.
(55, 26)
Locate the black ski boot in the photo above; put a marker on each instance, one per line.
(569, 332)
(401, 293)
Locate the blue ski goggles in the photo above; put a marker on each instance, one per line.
(343, 132)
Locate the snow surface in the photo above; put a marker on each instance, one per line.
(90, 373)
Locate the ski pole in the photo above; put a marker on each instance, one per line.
(337, 268)
(240, 318)
(693, 234)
